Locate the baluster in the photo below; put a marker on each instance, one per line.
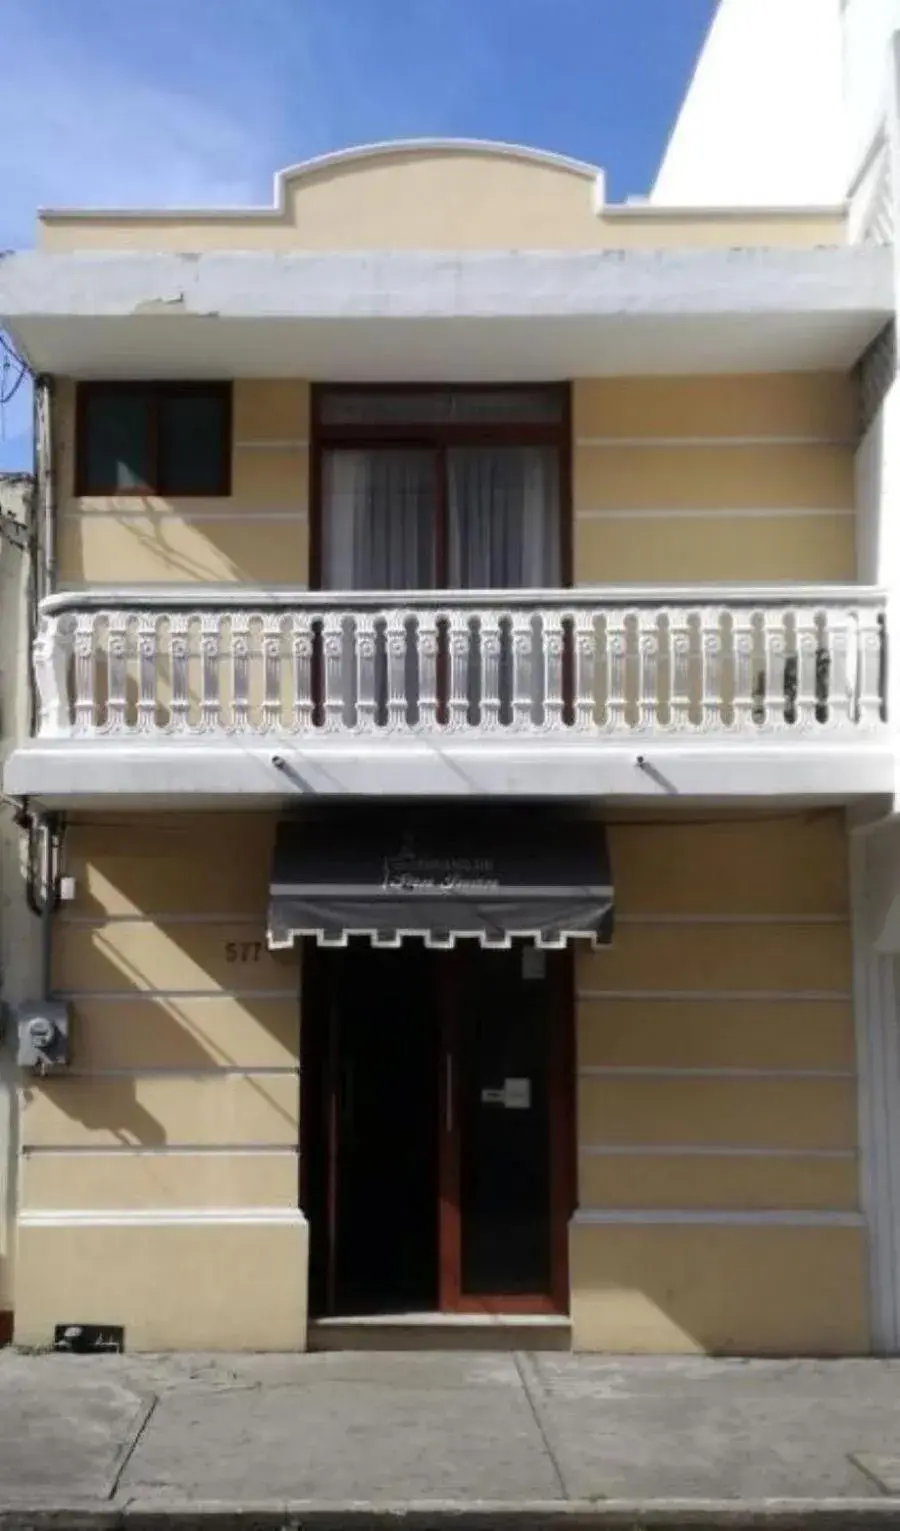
(428, 651)
(616, 656)
(271, 646)
(649, 646)
(807, 649)
(333, 656)
(51, 655)
(490, 670)
(179, 627)
(395, 648)
(711, 647)
(210, 640)
(585, 657)
(742, 640)
(869, 705)
(458, 645)
(147, 650)
(552, 651)
(116, 671)
(302, 627)
(522, 644)
(85, 629)
(838, 667)
(775, 641)
(680, 661)
(240, 672)
(365, 673)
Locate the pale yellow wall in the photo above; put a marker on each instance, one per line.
(758, 1291)
(184, 1097)
(716, 1076)
(256, 536)
(675, 480)
(444, 200)
(687, 480)
(216, 1286)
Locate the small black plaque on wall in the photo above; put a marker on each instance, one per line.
(88, 1339)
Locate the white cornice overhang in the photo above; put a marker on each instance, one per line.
(422, 315)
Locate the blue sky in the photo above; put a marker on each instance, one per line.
(173, 102)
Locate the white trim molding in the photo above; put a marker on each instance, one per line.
(721, 996)
(724, 513)
(707, 1151)
(289, 444)
(654, 1071)
(726, 1218)
(158, 1217)
(615, 442)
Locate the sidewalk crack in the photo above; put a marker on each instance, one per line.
(130, 1444)
(532, 1389)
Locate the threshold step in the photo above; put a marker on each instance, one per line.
(442, 1331)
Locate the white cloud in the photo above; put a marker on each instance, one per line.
(84, 127)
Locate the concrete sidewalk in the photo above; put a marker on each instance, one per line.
(483, 1439)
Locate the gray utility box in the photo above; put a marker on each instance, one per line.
(43, 1027)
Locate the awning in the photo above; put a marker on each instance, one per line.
(495, 875)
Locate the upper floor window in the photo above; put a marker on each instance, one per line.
(154, 438)
(441, 487)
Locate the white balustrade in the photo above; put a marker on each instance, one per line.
(598, 663)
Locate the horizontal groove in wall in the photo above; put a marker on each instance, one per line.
(611, 442)
(118, 995)
(177, 1071)
(156, 1150)
(721, 996)
(153, 1217)
(288, 444)
(661, 513)
(168, 513)
(649, 1071)
(708, 1151)
(801, 1218)
(161, 587)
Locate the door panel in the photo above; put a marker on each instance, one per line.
(384, 1170)
(504, 1050)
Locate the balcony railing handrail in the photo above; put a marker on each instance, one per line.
(608, 662)
(165, 598)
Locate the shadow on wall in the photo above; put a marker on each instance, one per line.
(234, 543)
(171, 1006)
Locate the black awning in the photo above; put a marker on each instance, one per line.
(494, 874)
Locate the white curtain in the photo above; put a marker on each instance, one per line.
(378, 518)
(503, 517)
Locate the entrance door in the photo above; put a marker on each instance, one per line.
(437, 1171)
(372, 1184)
(504, 1167)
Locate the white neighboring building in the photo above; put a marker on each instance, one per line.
(795, 102)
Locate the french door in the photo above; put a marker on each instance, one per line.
(441, 1162)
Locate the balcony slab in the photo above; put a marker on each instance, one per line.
(63, 773)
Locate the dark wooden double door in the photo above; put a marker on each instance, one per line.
(437, 1121)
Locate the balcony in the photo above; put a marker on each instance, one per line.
(450, 691)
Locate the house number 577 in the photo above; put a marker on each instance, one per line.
(243, 951)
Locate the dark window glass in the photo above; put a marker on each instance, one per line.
(117, 442)
(193, 448)
(163, 439)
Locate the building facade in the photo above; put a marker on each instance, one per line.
(465, 763)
